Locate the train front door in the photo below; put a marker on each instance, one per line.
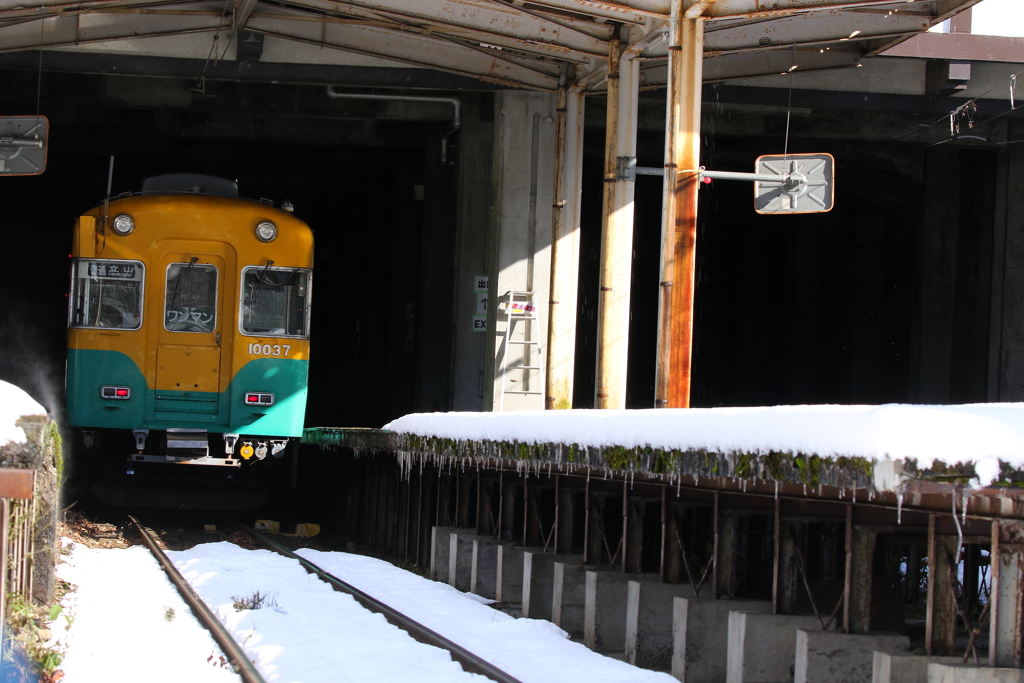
(194, 326)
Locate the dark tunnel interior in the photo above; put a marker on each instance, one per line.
(801, 309)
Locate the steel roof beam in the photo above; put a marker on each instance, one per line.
(96, 27)
(243, 10)
(503, 20)
(405, 48)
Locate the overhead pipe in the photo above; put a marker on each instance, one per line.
(454, 101)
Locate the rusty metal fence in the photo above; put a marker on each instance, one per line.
(17, 512)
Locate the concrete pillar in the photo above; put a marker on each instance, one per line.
(617, 228)
(568, 597)
(649, 622)
(633, 524)
(938, 275)
(594, 543)
(440, 550)
(904, 668)
(700, 632)
(539, 581)
(509, 582)
(483, 581)
(523, 173)
(961, 673)
(841, 658)
(784, 592)
(724, 578)
(861, 565)
(460, 558)
(1007, 353)
(565, 533)
(604, 615)
(762, 647)
(940, 624)
(672, 570)
(1005, 627)
(565, 248)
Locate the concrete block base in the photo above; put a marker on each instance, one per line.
(905, 668)
(762, 647)
(484, 575)
(700, 631)
(568, 597)
(539, 581)
(823, 657)
(440, 549)
(649, 622)
(604, 612)
(460, 558)
(508, 586)
(966, 673)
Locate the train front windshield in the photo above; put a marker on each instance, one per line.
(106, 293)
(275, 301)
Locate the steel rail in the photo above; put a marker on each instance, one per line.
(471, 662)
(239, 661)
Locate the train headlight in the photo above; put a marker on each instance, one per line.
(123, 224)
(266, 231)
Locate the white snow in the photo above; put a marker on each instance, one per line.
(983, 433)
(532, 650)
(15, 403)
(306, 633)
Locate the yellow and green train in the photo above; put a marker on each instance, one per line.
(188, 329)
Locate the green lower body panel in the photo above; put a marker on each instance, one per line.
(227, 412)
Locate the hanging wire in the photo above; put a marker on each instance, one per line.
(789, 103)
(969, 108)
(39, 79)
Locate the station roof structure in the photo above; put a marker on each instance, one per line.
(506, 43)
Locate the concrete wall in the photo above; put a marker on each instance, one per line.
(700, 631)
(823, 657)
(762, 647)
(520, 244)
(475, 204)
(649, 622)
(904, 668)
(965, 673)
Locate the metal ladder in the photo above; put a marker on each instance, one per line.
(519, 307)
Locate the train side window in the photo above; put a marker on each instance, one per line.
(275, 301)
(106, 293)
(190, 302)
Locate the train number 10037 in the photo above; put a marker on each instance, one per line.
(269, 349)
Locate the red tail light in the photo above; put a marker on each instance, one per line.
(115, 392)
(259, 398)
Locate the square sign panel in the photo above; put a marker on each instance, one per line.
(804, 183)
(23, 144)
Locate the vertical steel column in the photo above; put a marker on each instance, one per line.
(1005, 612)
(565, 249)
(679, 213)
(617, 231)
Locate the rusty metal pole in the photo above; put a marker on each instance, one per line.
(679, 212)
(565, 249)
(617, 232)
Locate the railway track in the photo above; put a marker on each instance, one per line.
(241, 663)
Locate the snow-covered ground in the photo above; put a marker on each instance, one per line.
(128, 623)
(983, 433)
(15, 403)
